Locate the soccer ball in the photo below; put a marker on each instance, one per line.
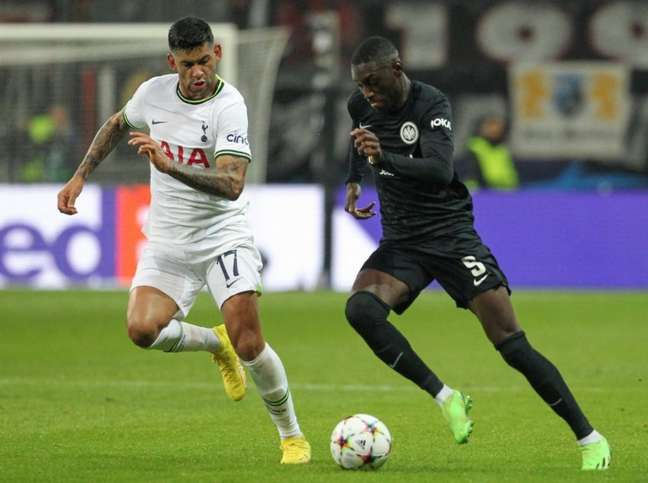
(360, 441)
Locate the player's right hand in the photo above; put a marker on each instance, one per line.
(352, 195)
(149, 147)
(68, 195)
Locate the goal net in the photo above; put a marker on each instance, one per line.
(60, 82)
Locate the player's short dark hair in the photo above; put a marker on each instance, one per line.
(188, 33)
(374, 49)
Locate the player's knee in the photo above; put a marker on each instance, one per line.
(364, 310)
(248, 343)
(142, 332)
(516, 350)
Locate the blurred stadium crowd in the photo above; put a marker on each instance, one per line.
(558, 87)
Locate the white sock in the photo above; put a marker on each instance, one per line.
(269, 375)
(593, 437)
(183, 337)
(443, 395)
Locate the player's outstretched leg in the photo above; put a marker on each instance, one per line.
(269, 375)
(229, 365)
(455, 408)
(367, 314)
(177, 336)
(552, 388)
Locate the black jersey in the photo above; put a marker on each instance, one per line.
(421, 197)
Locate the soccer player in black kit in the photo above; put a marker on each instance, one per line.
(402, 131)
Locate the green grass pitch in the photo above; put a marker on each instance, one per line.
(80, 403)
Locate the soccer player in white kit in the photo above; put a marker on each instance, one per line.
(197, 227)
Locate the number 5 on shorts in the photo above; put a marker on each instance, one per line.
(476, 269)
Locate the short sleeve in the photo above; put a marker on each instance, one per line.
(232, 132)
(133, 113)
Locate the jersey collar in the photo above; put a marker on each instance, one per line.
(219, 87)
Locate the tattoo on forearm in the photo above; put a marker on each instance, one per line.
(226, 181)
(103, 143)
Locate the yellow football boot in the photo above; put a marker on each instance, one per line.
(229, 365)
(296, 450)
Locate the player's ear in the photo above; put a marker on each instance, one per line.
(397, 68)
(172, 63)
(218, 52)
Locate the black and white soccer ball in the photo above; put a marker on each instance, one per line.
(360, 441)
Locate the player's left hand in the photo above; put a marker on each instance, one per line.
(368, 144)
(147, 146)
(353, 191)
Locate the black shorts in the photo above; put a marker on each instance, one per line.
(462, 265)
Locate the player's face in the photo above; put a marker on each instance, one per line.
(379, 83)
(196, 69)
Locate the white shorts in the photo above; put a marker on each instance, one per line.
(173, 271)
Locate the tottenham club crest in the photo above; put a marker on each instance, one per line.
(204, 127)
(409, 133)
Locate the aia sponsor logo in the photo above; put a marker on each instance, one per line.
(182, 155)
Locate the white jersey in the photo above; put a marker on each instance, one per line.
(193, 133)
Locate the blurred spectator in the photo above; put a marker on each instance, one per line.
(297, 16)
(247, 14)
(488, 162)
(50, 142)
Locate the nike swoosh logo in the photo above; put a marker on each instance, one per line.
(364, 126)
(478, 282)
(228, 284)
(158, 122)
(396, 361)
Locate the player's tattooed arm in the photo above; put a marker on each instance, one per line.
(226, 179)
(103, 143)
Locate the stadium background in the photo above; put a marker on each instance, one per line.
(570, 77)
(582, 66)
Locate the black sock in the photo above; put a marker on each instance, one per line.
(546, 380)
(367, 314)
